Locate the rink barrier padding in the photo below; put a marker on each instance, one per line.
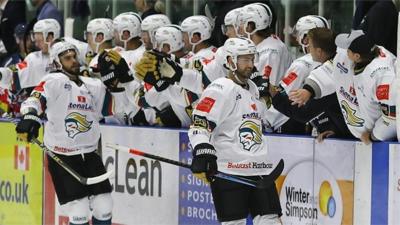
(333, 182)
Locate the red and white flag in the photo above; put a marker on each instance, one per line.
(21, 157)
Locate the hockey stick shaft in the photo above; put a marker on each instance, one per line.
(76, 175)
(221, 175)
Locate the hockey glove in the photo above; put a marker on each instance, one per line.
(204, 163)
(147, 70)
(28, 127)
(122, 71)
(322, 123)
(167, 118)
(170, 70)
(107, 72)
(147, 66)
(265, 96)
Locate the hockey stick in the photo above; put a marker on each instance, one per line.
(264, 182)
(82, 180)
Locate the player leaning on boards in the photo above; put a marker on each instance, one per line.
(73, 105)
(226, 135)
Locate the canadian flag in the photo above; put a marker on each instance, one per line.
(21, 157)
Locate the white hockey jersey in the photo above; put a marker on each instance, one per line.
(30, 71)
(366, 99)
(73, 112)
(212, 60)
(322, 80)
(131, 57)
(176, 96)
(293, 79)
(298, 72)
(342, 78)
(274, 59)
(236, 117)
(377, 96)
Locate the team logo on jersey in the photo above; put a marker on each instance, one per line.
(289, 78)
(382, 92)
(250, 135)
(67, 87)
(350, 116)
(76, 123)
(342, 68)
(205, 104)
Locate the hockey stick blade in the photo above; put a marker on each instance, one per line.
(77, 176)
(268, 180)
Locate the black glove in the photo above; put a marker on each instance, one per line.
(167, 118)
(106, 68)
(322, 123)
(107, 72)
(170, 70)
(204, 163)
(28, 127)
(122, 71)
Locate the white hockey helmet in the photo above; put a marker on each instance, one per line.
(128, 21)
(198, 24)
(235, 47)
(306, 23)
(100, 26)
(151, 23)
(258, 13)
(47, 26)
(171, 35)
(231, 19)
(61, 47)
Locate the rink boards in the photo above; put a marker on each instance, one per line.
(334, 182)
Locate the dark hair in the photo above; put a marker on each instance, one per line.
(368, 57)
(324, 39)
(264, 33)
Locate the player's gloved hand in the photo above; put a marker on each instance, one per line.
(265, 96)
(147, 65)
(107, 72)
(146, 70)
(28, 127)
(170, 70)
(122, 71)
(167, 118)
(204, 163)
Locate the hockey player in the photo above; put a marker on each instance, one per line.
(198, 73)
(36, 64)
(324, 113)
(169, 40)
(73, 105)
(298, 71)
(227, 130)
(301, 67)
(362, 77)
(99, 34)
(177, 111)
(149, 27)
(255, 23)
(127, 32)
(196, 33)
(374, 75)
(255, 20)
(231, 24)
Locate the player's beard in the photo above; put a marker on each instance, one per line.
(244, 74)
(73, 70)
